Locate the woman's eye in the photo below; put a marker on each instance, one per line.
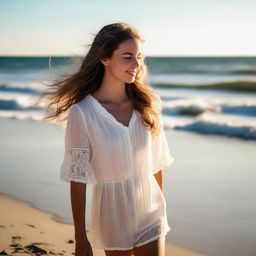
(130, 58)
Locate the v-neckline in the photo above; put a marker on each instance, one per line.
(106, 113)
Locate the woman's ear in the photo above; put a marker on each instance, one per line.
(104, 62)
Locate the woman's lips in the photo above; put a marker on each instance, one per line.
(131, 73)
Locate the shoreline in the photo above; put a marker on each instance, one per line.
(27, 230)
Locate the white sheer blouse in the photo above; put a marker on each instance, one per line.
(120, 161)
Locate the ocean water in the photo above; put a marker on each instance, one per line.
(204, 95)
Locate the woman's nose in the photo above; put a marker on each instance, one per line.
(136, 63)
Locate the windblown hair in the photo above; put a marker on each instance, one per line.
(63, 93)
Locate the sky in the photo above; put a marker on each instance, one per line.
(169, 27)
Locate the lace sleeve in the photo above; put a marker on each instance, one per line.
(161, 156)
(76, 165)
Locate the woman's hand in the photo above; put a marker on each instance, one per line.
(83, 248)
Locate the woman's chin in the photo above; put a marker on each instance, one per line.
(131, 80)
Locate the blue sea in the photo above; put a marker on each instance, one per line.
(210, 95)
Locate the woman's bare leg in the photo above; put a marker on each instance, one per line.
(154, 248)
(119, 253)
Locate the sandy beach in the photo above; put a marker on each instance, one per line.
(26, 230)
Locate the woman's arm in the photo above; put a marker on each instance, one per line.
(159, 178)
(78, 203)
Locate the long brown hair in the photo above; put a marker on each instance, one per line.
(63, 93)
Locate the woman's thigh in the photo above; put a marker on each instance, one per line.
(154, 248)
(119, 253)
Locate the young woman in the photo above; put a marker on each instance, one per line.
(115, 140)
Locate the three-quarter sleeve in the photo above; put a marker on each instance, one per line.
(76, 165)
(161, 156)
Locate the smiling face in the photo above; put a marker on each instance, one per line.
(125, 61)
